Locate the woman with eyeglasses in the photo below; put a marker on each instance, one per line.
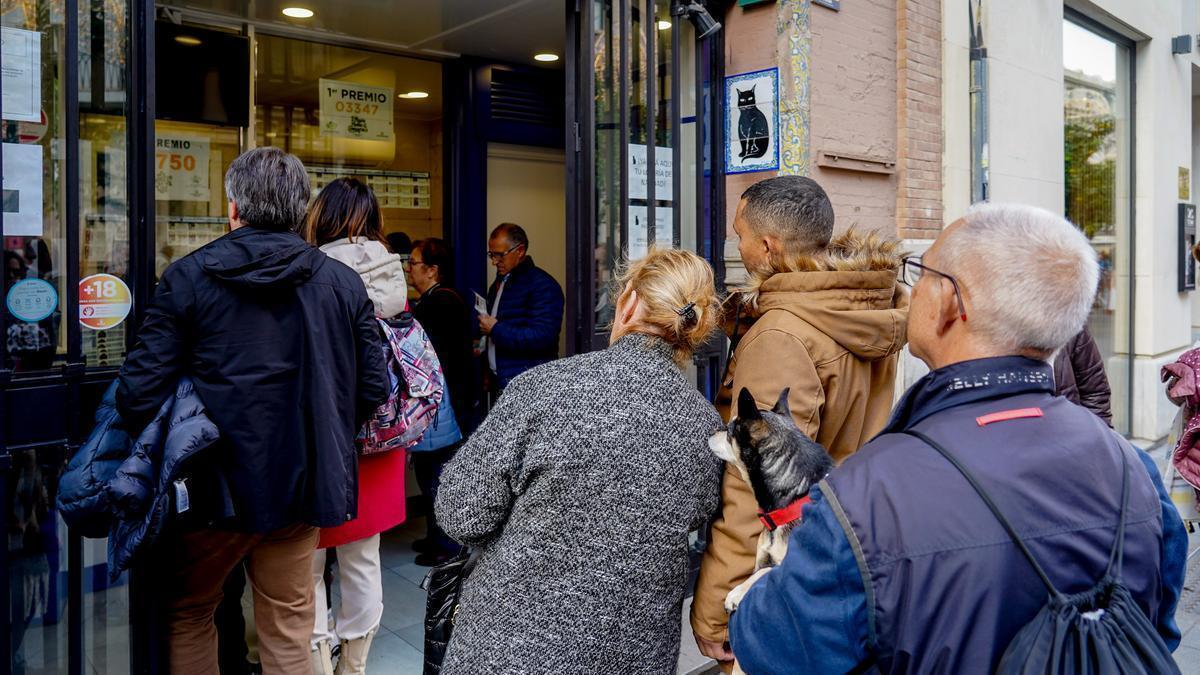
(442, 313)
(580, 490)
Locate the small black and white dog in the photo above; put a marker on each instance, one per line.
(780, 463)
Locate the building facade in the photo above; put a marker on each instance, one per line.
(1086, 109)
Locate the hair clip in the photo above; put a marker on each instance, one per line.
(688, 311)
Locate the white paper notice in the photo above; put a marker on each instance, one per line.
(22, 68)
(481, 304)
(22, 190)
(356, 110)
(181, 169)
(639, 230)
(639, 173)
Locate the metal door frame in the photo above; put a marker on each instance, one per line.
(581, 174)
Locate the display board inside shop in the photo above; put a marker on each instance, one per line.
(393, 189)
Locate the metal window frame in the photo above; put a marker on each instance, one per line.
(1090, 24)
(581, 134)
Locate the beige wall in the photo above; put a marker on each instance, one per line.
(418, 148)
(527, 186)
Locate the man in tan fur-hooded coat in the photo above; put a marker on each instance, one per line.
(822, 315)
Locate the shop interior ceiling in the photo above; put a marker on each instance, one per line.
(501, 30)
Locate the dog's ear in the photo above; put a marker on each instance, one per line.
(747, 406)
(781, 406)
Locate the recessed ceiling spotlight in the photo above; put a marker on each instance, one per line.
(545, 57)
(664, 25)
(188, 40)
(414, 94)
(298, 12)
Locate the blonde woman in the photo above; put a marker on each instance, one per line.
(580, 489)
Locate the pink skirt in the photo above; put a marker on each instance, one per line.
(380, 500)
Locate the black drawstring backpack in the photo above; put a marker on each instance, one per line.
(1100, 631)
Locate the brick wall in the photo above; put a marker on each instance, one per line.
(919, 118)
(853, 103)
(874, 75)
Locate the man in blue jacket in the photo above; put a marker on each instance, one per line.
(525, 308)
(898, 560)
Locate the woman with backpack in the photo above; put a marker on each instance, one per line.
(442, 313)
(345, 222)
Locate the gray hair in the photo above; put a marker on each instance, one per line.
(1030, 273)
(794, 209)
(270, 188)
(514, 233)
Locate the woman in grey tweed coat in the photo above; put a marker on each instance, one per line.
(580, 489)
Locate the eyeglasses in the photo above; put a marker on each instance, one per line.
(494, 257)
(911, 271)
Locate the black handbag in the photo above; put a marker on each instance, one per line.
(443, 588)
(1100, 631)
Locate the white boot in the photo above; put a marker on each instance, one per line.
(321, 659)
(353, 660)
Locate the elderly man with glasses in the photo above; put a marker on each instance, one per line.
(900, 564)
(525, 309)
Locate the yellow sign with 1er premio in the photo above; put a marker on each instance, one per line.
(353, 110)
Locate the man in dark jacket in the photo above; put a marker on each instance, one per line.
(898, 559)
(283, 349)
(525, 308)
(1079, 376)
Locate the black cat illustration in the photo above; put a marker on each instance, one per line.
(753, 130)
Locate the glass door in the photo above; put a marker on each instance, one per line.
(1097, 168)
(642, 175)
(69, 296)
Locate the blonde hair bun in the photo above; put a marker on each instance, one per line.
(679, 296)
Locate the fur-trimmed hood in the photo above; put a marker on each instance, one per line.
(848, 292)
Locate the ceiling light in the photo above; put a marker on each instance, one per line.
(188, 40)
(298, 12)
(415, 94)
(664, 25)
(545, 57)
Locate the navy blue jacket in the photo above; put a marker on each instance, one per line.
(898, 558)
(528, 321)
(121, 487)
(284, 350)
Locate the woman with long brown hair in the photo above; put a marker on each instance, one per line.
(345, 222)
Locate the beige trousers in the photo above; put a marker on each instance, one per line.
(279, 569)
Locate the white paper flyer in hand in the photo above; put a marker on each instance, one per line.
(481, 304)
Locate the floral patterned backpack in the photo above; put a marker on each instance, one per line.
(417, 386)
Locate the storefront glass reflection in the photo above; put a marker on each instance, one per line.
(1096, 172)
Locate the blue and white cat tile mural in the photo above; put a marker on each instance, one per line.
(752, 121)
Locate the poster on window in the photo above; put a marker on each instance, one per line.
(22, 190)
(752, 119)
(353, 110)
(639, 173)
(639, 230)
(22, 74)
(181, 169)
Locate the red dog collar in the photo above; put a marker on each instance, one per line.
(780, 517)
